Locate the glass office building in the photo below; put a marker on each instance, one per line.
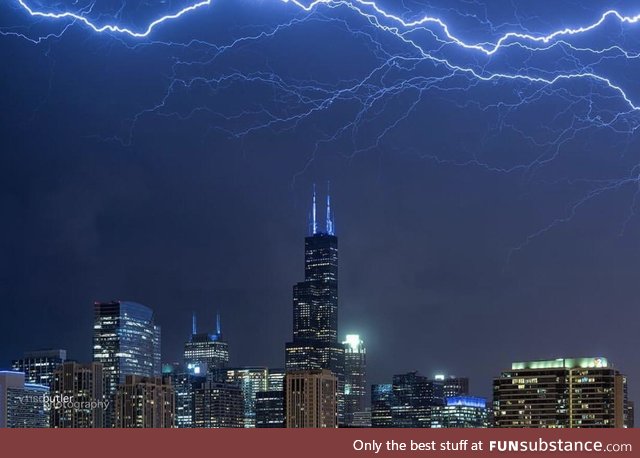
(126, 341)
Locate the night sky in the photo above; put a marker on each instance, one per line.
(479, 222)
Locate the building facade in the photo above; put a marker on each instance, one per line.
(217, 404)
(126, 341)
(22, 404)
(270, 409)
(381, 402)
(275, 380)
(145, 402)
(251, 380)
(413, 397)
(269, 404)
(561, 393)
(38, 366)
(311, 399)
(361, 419)
(84, 386)
(452, 386)
(355, 380)
(181, 381)
(413, 400)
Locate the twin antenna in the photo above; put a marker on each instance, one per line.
(194, 328)
(329, 223)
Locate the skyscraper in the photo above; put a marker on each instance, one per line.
(206, 352)
(38, 366)
(355, 384)
(315, 306)
(22, 405)
(84, 384)
(561, 393)
(126, 341)
(311, 399)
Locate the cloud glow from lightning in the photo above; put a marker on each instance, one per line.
(414, 57)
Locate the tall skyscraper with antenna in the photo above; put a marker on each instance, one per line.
(205, 352)
(315, 342)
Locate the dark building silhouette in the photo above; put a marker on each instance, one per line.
(452, 386)
(412, 399)
(413, 396)
(270, 409)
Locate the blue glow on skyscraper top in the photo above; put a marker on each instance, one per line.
(467, 401)
(212, 337)
(314, 220)
(330, 227)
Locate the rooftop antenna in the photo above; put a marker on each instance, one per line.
(314, 221)
(329, 225)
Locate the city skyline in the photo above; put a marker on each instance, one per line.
(315, 232)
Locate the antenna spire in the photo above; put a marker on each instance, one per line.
(329, 224)
(314, 220)
(193, 324)
(218, 326)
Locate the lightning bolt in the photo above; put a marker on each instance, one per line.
(112, 27)
(455, 66)
(376, 17)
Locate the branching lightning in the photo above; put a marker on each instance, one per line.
(413, 58)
